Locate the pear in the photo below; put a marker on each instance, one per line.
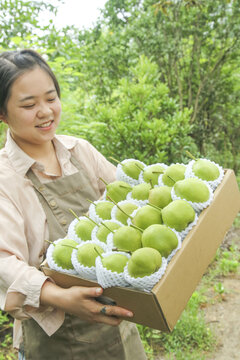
(83, 229)
(124, 210)
(131, 167)
(205, 170)
(103, 209)
(161, 238)
(141, 191)
(103, 231)
(192, 189)
(160, 196)
(173, 173)
(127, 238)
(143, 262)
(115, 262)
(178, 214)
(62, 253)
(146, 216)
(152, 172)
(117, 190)
(86, 254)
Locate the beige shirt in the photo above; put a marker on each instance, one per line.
(24, 229)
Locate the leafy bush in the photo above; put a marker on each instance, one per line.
(139, 120)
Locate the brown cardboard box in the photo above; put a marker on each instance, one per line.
(161, 308)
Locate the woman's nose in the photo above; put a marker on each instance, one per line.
(44, 110)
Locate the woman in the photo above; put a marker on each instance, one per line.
(42, 176)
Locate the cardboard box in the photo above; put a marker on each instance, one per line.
(161, 308)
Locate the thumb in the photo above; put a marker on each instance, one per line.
(93, 291)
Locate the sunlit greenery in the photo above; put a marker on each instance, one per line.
(151, 79)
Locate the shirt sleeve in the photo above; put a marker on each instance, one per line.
(20, 283)
(101, 167)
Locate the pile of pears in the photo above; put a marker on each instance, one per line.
(141, 221)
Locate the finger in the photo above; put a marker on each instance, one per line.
(110, 310)
(91, 292)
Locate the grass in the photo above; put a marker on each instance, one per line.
(6, 350)
(190, 339)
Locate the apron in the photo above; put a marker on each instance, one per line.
(75, 339)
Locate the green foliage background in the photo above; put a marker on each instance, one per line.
(149, 80)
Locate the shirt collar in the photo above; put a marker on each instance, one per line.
(23, 162)
(18, 158)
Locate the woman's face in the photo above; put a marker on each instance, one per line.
(33, 109)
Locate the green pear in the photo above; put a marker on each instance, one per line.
(146, 216)
(192, 189)
(103, 209)
(103, 231)
(83, 229)
(86, 254)
(62, 253)
(178, 214)
(132, 168)
(205, 170)
(152, 172)
(161, 238)
(173, 173)
(128, 208)
(144, 261)
(118, 190)
(141, 191)
(160, 196)
(115, 262)
(127, 238)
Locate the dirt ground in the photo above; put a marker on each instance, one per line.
(223, 316)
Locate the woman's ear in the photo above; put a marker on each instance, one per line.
(3, 117)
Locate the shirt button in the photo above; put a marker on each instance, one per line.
(63, 222)
(52, 203)
(41, 188)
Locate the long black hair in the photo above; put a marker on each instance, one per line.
(15, 63)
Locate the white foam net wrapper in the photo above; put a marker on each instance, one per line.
(146, 283)
(129, 220)
(178, 246)
(110, 243)
(92, 211)
(141, 180)
(214, 184)
(107, 278)
(71, 230)
(51, 262)
(86, 272)
(115, 208)
(198, 207)
(120, 174)
(160, 181)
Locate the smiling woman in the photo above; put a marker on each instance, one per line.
(33, 112)
(42, 176)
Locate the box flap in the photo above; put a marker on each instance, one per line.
(198, 249)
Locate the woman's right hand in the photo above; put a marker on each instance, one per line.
(80, 301)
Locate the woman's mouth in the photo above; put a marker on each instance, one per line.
(45, 125)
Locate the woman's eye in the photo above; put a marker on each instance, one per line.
(28, 106)
(51, 100)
